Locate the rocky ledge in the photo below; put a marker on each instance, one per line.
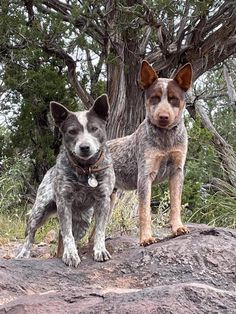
(193, 273)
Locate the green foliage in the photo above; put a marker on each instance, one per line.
(12, 227)
(219, 209)
(200, 166)
(12, 187)
(13, 203)
(31, 92)
(31, 79)
(99, 88)
(161, 195)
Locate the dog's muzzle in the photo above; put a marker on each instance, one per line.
(85, 151)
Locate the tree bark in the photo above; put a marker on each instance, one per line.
(126, 97)
(230, 88)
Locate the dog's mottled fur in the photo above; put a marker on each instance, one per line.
(65, 190)
(157, 149)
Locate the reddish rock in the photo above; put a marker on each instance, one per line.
(194, 273)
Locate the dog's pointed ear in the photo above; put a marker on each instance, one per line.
(101, 107)
(147, 75)
(58, 112)
(184, 77)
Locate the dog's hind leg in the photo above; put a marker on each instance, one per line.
(80, 225)
(44, 207)
(112, 204)
(38, 216)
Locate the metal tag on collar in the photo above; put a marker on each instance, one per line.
(92, 181)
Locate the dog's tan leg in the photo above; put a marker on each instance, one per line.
(176, 185)
(144, 195)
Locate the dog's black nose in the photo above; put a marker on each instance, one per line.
(84, 147)
(164, 117)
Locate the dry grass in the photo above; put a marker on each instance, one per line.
(12, 228)
(219, 211)
(125, 216)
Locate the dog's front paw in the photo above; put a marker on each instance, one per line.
(147, 241)
(179, 229)
(71, 257)
(101, 255)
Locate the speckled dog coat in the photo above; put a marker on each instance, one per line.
(79, 185)
(157, 149)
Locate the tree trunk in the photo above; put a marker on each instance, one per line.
(126, 98)
(125, 95)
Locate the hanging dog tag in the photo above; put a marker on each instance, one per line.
(92, 181)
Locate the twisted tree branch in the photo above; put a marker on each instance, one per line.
(71, 65)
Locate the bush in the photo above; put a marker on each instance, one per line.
(12, 185)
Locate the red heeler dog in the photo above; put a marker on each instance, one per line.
(157, 149)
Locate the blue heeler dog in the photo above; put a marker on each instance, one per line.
(80, 183)
(157, 149)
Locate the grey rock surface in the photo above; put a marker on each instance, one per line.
(193, 273)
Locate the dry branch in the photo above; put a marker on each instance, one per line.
(230, 88)
(71, 65)
(225, 151)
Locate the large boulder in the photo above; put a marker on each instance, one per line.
(193, 273)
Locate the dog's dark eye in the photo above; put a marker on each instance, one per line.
(155, 100)
(174, 101)
(72, 131)
(94, 128)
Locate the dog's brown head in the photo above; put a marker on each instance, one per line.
(165, 97)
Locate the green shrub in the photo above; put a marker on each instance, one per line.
(12, 185)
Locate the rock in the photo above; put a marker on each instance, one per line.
(193, 273)
(51, 237)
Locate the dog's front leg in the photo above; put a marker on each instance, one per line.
(101, 210)
(144, 196)
(111, 207)
(176, 180)
(70, 255)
